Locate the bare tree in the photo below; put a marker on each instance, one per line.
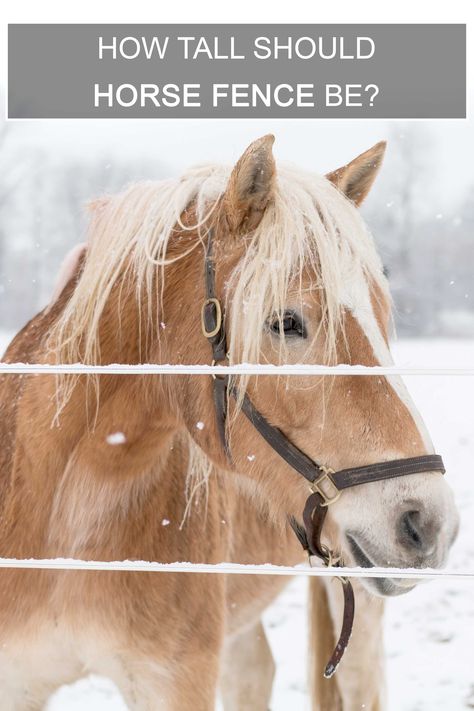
(396, 219)
(44, 216)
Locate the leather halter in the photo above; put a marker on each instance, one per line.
(326, 485)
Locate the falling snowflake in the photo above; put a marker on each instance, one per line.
(116, 438)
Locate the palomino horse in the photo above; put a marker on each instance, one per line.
(112, 467)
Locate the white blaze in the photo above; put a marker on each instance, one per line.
(358, 301)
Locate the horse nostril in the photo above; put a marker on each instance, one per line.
(411, 530)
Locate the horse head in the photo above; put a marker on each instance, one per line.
(297, 280)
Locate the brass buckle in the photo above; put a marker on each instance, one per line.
(216, 329)
(326, 478)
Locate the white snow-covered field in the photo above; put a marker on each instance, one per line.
(430, 631)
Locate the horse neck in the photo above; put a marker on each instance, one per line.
(113, 436)
(74, 487)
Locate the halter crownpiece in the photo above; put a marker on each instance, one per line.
(326, 485)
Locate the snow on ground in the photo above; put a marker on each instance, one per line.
(430, 631)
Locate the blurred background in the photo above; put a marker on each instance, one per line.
(421, 211)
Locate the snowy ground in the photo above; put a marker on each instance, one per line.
(430, 631)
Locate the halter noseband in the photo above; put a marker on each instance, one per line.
(326, 485)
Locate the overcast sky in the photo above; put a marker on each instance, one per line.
(320, 145)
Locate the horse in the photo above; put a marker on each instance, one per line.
(110, 467)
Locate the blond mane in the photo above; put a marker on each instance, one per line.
(309, 228)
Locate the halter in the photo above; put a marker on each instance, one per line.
(326, 484)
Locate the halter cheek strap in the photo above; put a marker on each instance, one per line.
(326, 485)
(212, 326)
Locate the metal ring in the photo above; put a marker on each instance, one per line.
(217, 327)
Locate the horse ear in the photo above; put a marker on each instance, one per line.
(355, 179)
(250, 186)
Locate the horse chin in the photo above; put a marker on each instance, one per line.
(382, 587)
(387, 587)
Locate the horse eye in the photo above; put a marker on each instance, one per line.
(290, 325)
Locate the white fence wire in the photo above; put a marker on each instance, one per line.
(239, 369)
(141, 566)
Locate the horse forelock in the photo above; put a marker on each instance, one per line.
(310, 237)
(308, 228)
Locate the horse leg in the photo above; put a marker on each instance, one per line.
(247, 671)
(186, 684)
(30, 673)
(24, 702)
(29, 695)
(360, 677)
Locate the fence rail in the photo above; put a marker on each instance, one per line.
(235, 569)
(240, 369)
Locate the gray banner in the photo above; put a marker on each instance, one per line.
(237, 71)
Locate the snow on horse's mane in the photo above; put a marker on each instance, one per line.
(67, 270)
(308, 227)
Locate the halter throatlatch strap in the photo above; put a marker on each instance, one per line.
(325, 484)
